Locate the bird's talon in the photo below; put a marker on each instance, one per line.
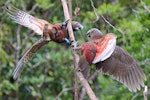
(74, 44)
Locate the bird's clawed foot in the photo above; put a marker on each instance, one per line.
(74, 44)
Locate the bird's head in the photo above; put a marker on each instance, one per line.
(94, 33)
(75, 25)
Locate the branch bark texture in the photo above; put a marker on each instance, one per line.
(76, 57)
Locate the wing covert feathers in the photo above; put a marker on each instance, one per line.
(124, 69)
(27, 56)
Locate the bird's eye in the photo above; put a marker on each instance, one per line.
(88, 35)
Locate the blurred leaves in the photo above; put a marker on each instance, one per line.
(44, 4)
(51, 69)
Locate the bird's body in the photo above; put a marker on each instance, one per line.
(104, 47)
(111, 60)
(49, 32)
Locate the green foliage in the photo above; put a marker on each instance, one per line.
(51, 69)
(44, 4)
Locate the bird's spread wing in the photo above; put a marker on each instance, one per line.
(27, 56)
(124, 69)
(27, 20)
(105, 47)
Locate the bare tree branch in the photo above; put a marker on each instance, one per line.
(92, 77)
(76, 57)
(76, 86)
(33, 8)
(71, 35)
(18, 43)
(82, 94)
(145, 93)
(118, 29)
(64, 90)
(70, 8)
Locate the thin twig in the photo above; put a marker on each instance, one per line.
(64, 90)
(33, 8)
(23, 5)
(118, 29)
(76, 57)
(94, 75)
(82, 94)
(145, 6)
(43, 81)
(97, 17)
(35, 66)
(27, 37)
(87, 87)
(18, 43)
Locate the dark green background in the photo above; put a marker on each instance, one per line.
(51, 69)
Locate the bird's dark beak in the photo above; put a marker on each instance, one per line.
(65, 23)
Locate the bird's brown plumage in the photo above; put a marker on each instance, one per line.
(123, 68)
(49, 32)
(27, 56)
(119, 64)
(34, 23)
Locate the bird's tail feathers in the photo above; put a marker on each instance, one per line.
(18, 70)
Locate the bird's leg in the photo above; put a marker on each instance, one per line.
(67, 41)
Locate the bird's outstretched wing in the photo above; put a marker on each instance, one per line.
(124, 69)
(105, 47)
(27, 56)
(27, 20)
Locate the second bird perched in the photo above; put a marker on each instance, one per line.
(49, 32)
(110, 59)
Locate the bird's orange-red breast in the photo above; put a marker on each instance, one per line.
(103, 46)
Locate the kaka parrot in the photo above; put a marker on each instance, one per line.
(110, 59)
(49, 32)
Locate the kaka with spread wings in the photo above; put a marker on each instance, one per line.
(49, 32)
(110, 59)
